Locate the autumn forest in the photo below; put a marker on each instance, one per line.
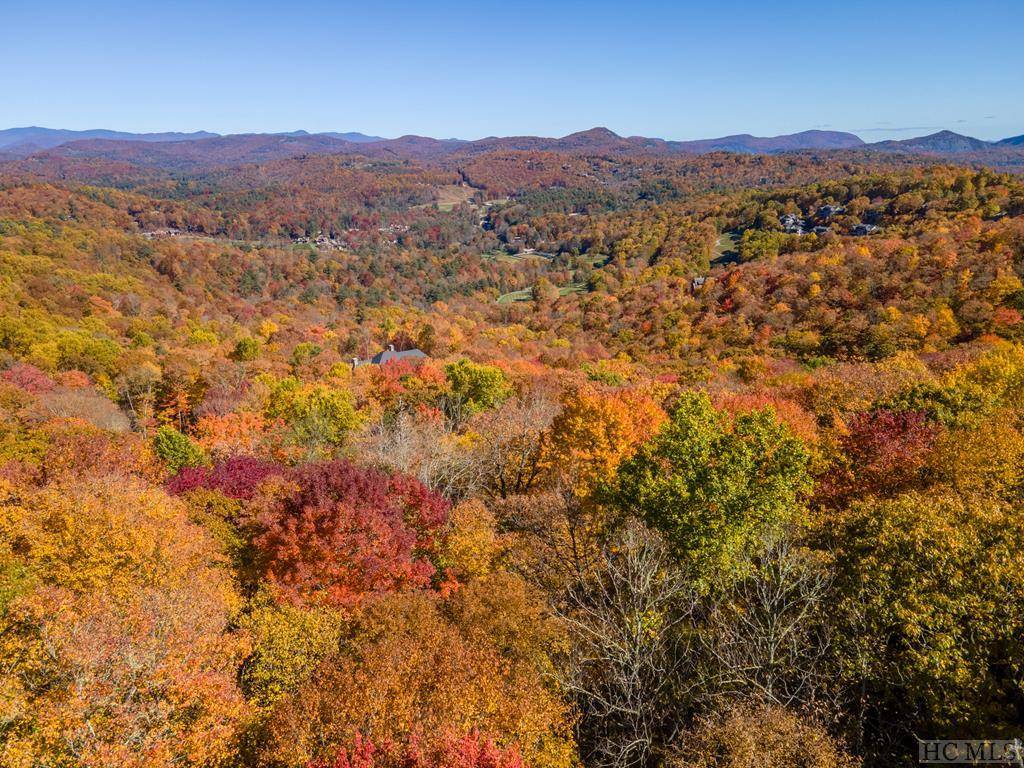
(588, 454)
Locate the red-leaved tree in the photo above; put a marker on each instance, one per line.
(28, 378)
(238, 477)
(883, 453)
(337, 532)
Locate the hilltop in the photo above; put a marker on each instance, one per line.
(943, 142)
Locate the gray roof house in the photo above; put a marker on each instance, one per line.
(390, 355)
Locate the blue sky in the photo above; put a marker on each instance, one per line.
(677, 70)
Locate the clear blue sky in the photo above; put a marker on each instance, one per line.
(678, 70)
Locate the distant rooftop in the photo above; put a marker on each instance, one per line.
(391, 354)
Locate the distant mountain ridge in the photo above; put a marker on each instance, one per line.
(185, 152)
(34, 138)
(30, 139)
(184, 155)
(943, 142)
(603, 139)
(354, 136)
(745, 143)
(202, 153)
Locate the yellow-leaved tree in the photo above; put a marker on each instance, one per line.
(113, 630)
(596, 429)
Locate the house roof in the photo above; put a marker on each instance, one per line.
(389, 354)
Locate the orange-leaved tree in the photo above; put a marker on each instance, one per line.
(596, 429)
(115, 639)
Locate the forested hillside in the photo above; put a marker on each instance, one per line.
(708, 461)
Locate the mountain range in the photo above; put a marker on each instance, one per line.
(182, 152)
(33, 138)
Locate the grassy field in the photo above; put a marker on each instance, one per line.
(450, 196)
(526, 294)
(726, 248)
(510, 298)
(514, 258)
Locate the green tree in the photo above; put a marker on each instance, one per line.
(929, 615)
(319, 417)
(304, 352)
(476, 387)
(715, 487)
(545, 293)
(177, 450)
(246, 349)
